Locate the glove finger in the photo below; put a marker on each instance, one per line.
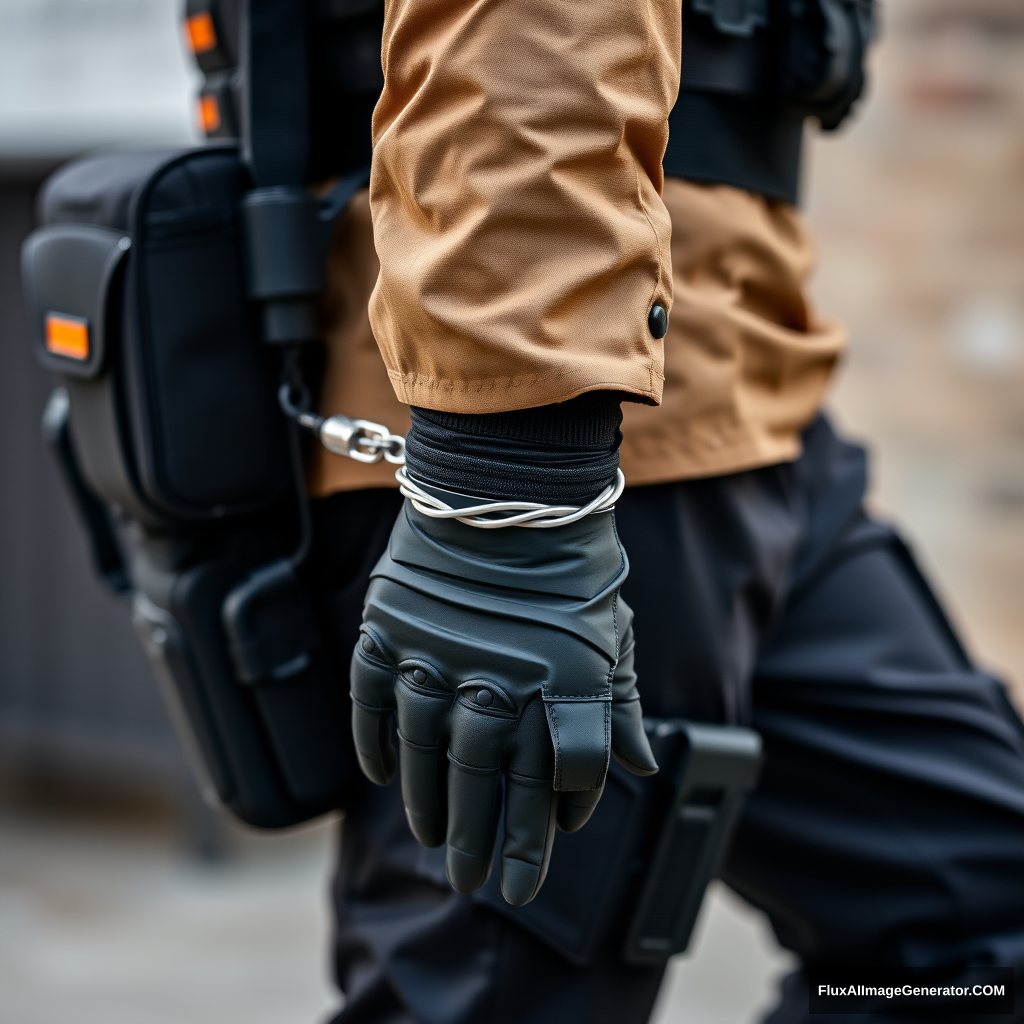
(575, 809)
(581, 733)
(483, 721)
(630, 745)
(472, 824)
(530, 806)
(371, 732)
(423, 707)
(372, 687)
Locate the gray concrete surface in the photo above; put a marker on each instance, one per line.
(731, 972)
(106, 923)
(104, 919)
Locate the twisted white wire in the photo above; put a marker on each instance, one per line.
(532, 514)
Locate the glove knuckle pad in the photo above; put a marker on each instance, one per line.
(423, 702)
(479, 738)
(372, 678)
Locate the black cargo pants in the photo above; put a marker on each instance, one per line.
(888, 828)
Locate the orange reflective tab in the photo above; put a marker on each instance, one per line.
(209, 114)
(67, 336)
(202, 36)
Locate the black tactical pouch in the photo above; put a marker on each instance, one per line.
(752, 72)
(805, 56)
(709, 769)
(136, 297)
(272, 747)
(170, 423)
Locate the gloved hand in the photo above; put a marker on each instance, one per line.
(501, 651)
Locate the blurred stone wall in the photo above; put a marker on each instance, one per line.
(919, 212)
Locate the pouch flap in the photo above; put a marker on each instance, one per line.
(270, 625)
(67, 271)
(98, 189)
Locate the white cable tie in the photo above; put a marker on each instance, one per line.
(532, 514)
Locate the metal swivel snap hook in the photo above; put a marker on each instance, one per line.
(361, 440)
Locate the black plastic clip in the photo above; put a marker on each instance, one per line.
(714, 767)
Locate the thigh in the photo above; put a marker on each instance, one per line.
(889, 823)
(709, 561)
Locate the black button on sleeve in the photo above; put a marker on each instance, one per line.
(657, 321)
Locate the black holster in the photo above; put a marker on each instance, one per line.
(634, 877)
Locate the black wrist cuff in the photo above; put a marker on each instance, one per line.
(567, 452)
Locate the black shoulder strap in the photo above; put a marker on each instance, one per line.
(275, 106)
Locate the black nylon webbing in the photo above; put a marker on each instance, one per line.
(276, 102)
(729, 140)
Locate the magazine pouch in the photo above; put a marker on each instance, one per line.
(276, 653)
(170, 441)
(273, 750)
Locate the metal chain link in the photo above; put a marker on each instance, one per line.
(361, 440)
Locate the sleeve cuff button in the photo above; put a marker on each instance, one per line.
(657, 321)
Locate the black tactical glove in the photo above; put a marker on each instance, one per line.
(502, 651)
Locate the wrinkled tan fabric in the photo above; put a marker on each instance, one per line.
(746, 362)
(515, 197)
(355, 380)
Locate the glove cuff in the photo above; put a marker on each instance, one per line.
(563, 453)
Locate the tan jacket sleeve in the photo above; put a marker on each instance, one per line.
(516, 199)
